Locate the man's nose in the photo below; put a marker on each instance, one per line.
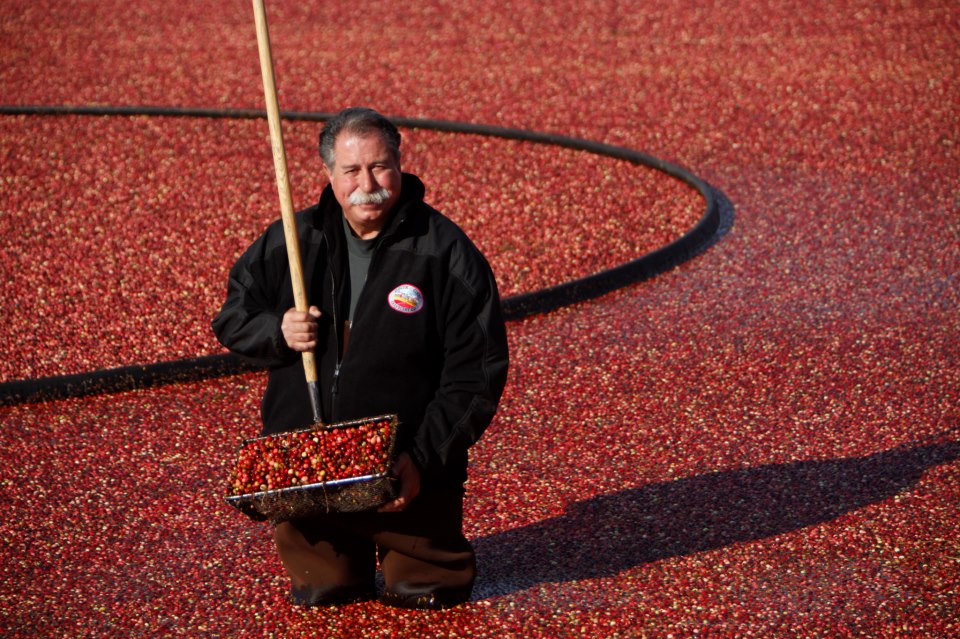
(367, 181)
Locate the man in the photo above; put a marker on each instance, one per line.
(406, 319)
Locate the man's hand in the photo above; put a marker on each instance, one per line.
(300, 329)
(406, 471)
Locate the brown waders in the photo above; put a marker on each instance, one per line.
(425, 559)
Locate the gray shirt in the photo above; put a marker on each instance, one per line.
(360, 252)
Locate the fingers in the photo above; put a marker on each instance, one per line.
(398, 504)
(394, 506)
(299, 328)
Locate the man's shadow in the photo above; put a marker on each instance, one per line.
(606, 534)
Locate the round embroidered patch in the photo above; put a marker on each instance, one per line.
(406, 298)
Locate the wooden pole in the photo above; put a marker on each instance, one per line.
(283, 187)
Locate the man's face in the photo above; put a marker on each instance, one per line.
(365, 179)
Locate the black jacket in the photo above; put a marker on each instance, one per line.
(427, 342)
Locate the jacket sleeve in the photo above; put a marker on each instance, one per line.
(474, 369)
(249, 321)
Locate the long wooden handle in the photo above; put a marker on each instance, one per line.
(283, 187)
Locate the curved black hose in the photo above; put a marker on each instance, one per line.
(706, 231)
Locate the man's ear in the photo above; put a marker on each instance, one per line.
(328, 171)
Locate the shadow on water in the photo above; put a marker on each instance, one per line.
(606, 534)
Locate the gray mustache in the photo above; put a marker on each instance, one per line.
(359, 198)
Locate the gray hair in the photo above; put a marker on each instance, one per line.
(360, 120)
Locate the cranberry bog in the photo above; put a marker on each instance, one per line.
(759, 438)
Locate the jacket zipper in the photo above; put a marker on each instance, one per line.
(335, 386)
